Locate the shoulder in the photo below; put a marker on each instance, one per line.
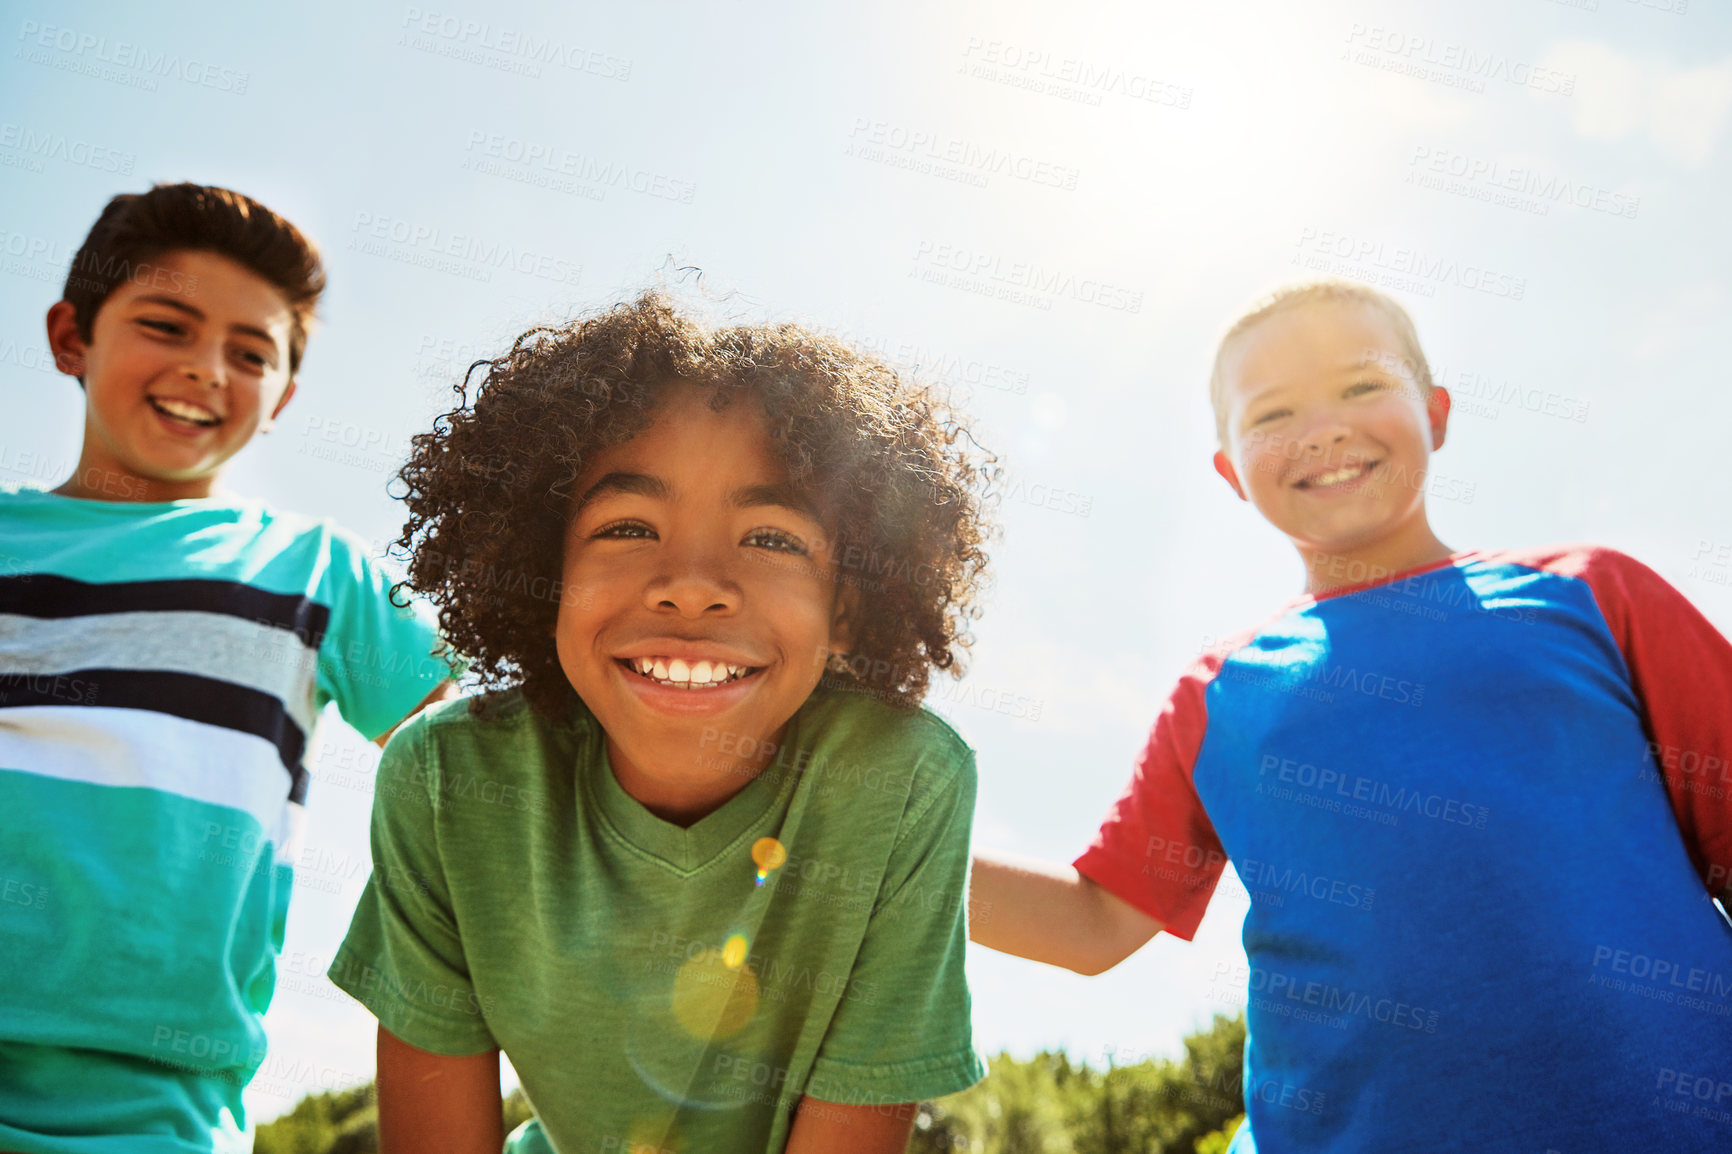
(1608, 572)
(883, 727)
(14, 493)
(498, 715)
(891, 748)
(497, 733)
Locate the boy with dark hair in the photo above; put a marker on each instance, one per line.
(697, 865)
(1480, 799)
(165, 649)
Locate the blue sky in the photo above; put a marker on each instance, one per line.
(1056, 212)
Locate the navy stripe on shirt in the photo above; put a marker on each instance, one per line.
(46, 595)
(183, 695)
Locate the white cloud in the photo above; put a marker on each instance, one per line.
(1681, 110)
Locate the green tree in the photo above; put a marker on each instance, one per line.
(1045, 1105)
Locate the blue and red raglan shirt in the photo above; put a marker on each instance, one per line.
(1480, 809)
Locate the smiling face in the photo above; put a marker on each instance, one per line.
(1330, 438)
(185, 362)
(702, 603)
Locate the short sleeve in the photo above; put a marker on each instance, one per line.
(903, 1031)
(1681, 668)
(1157, 848)
(403, 957)
(377, 660)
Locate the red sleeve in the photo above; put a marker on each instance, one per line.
(1157, 849)
(1681, 667)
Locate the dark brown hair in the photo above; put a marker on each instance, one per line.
(136, 228)
(490, 489)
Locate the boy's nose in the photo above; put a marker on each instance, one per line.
(1325, 432)
(693, 591)
(204, 366)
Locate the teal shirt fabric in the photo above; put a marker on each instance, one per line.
(161, 670)
(647, 987)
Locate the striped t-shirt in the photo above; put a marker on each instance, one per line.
(161, 669)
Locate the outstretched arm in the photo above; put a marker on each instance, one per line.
(1053, 914)
(825, 1127)
(431, 1104)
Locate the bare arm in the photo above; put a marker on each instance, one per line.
(1052, 914)
(431, 1104)
(826, 1128)
(444, 691)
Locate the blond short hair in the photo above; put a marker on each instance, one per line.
(1317, 292)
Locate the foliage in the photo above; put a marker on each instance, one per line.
(1218, 1142)
(1045, 1105)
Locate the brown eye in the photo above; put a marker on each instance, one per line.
(777, 540)
(625, 531)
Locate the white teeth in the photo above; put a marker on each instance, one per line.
(185, 410)
(1337, 476)
(692, 675)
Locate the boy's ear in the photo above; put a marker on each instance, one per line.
(282, 403)
(842, 621)
(63, 339)
(1224, 466)
(1437, 408)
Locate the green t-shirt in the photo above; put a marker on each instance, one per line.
(646, 985)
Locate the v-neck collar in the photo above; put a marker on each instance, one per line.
(684, 849)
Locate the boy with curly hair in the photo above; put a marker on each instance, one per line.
(697, 863)
(165, 649)
(1482, 800)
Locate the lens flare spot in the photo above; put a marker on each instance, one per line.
(713, 998)
(769, 854)
(734, 952)
(653, 1137)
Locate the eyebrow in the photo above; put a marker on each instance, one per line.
(748, 497)
(631, 484)
(198, 314)
(778, 496)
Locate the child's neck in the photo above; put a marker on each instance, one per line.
(684, 799)
(1412, 547)
(101, 477)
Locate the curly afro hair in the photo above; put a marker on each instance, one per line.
(490, 490)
